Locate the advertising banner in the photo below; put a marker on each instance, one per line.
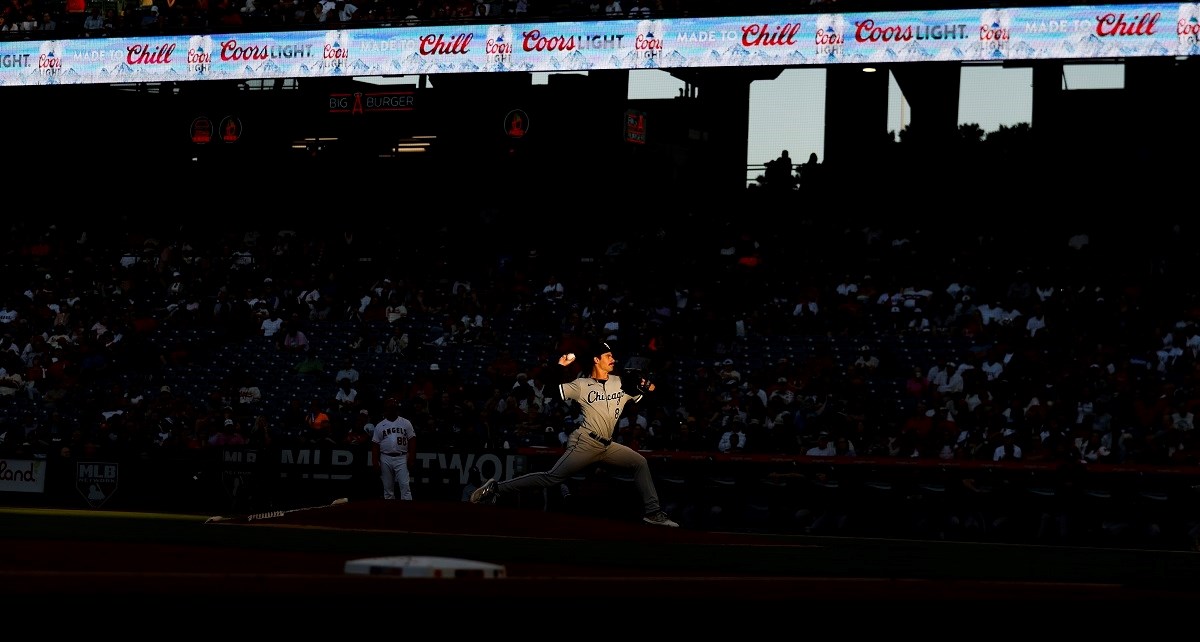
(965, 35)
(22, 475)
(96, 481)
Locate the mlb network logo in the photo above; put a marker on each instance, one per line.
(96, 481)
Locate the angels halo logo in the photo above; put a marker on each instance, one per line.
(96, 481)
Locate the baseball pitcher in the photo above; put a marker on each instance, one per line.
(601, 396)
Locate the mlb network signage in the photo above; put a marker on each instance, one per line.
(1026, 33)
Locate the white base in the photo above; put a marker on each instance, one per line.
(420, 566)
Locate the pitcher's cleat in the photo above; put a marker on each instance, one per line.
(485, 494)
(660, 519)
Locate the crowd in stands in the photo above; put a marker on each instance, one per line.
(875, 335)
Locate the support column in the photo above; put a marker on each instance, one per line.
(1047, 112)
(723, 123)
(610, 94)
(1154, 99)
(856, 109)
(932, 90)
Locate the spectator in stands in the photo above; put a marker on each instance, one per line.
(346, 401)
(347, 11)
(309, 365)
(398, 342)
(953, 381)
(249, 397)
(1008, 449)
(866, 359)
(235, 432)
(809, 174)
(992, 366)
(293, 341)
(313, 13)
(113, 22)
(1091, 448)
(9, 315)
(93, 24)
(734, 442)
(317, 422)
(395, 311)
(822, 447)
(843, 447)
(553, 291)
(12, 381)
(1181, 419)
(347, 372)
(271, 324)
(778, 176)
(728, 374)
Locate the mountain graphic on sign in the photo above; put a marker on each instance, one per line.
(763, 58)
(913, 52)
(953, 53)
(674, 59)
(737, 55)
(795, 58)
(1021, 50)
(576, 61)
(415, 63)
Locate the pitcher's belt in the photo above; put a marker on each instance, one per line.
(599, 438)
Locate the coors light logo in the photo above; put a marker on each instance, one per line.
(648, 43)
(533, 40)
(50, 63)
(335, 55)
(830, 39)
(199, 56)
(498, 47)
(1187, 28)
(995, 32)
(561, 52)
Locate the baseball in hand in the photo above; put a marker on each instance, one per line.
(570, 356)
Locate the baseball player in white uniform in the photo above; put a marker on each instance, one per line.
(394, 446)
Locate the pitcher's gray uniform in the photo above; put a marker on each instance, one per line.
(601, 399)
(394, 441)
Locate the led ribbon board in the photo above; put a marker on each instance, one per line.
(1026, 33)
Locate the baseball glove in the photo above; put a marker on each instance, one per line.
(634, 382)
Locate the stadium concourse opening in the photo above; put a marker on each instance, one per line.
(446, 125)
(450, 129)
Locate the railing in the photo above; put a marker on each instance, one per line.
(1111, 505)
